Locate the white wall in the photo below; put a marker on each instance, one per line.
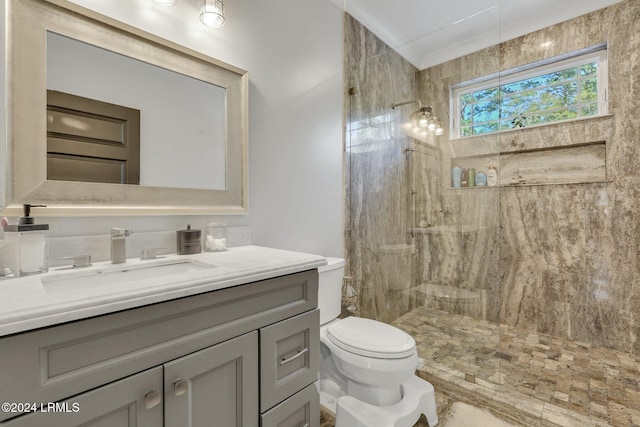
(3, 108)
(293, 52)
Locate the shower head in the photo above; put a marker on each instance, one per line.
(398, 104)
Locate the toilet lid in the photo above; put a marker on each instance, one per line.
(371, 338)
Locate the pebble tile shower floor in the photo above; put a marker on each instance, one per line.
(562, 382)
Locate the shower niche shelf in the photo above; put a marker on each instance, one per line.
(568, 164)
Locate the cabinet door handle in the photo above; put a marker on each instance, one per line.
(180, 386)
(294, 357)
(152, 399)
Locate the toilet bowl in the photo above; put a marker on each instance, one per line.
(375, 358)
(367, 366)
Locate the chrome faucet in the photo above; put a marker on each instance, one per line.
(119, 245)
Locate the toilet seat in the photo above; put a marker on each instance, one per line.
(370, 338)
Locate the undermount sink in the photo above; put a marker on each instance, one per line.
(120, 273)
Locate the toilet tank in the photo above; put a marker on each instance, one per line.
(330, 289)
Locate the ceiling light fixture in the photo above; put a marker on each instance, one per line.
(422, 117)
(166, 2)
(212, 13)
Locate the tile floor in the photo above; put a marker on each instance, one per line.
(558, 381)
(463, 415)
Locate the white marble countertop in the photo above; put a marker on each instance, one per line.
(45, 299)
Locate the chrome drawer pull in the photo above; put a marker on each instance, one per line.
(180, 386)
(152, 399)
(306, 425)
(294, 357)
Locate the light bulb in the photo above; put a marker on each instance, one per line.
(432, 126)
(212, 13)
(439, 130)
(423, 122)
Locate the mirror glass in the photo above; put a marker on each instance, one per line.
(182, 119)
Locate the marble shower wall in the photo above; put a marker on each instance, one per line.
(406, 243)
(379, 251)
(568, 255)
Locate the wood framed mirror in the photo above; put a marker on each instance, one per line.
(31, 25)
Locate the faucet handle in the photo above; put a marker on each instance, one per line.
(79, 261)
(151, 253)
(120, 232)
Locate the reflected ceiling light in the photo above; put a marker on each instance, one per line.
(422, 117)
(212, 13)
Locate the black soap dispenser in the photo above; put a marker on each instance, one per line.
(27, 245)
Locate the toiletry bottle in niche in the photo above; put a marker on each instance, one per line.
(471, 177)
(492, 176)
(464, 178)
(456, 176)
(481, 179)
(26, 245)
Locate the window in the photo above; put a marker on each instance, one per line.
(569, 87)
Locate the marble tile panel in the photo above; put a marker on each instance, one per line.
(379, 252)
(560, 247)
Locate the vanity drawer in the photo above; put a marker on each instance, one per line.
(51, 364)
(300, 410)
(289, 357)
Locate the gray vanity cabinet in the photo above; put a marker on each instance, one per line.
(183, 362)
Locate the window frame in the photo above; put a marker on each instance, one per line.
(535, 69)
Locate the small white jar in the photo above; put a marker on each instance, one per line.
(215, 237)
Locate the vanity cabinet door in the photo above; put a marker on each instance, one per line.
(132, 402)
(215, 386)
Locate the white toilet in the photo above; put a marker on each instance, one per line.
(367, 373)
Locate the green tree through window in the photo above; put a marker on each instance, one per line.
(564, 90)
